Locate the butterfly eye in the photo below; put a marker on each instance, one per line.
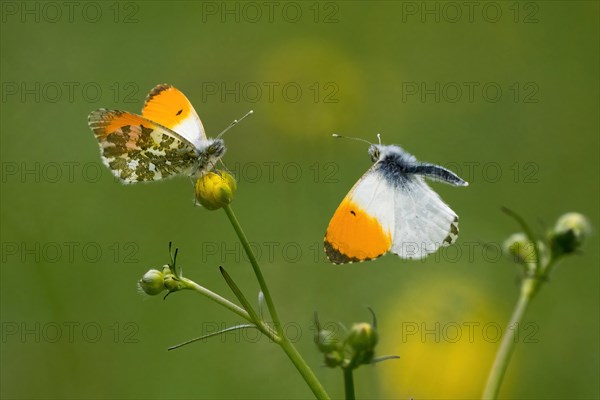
(374, 155)
(216, 148)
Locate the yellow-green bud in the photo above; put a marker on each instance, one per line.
(362, 336)
(569, 233)
(215, 190)
(521, 248)
(362, 339)
(152, 283)
(326, 341)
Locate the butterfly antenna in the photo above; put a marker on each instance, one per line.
(379, 138)
(335, 135)
(234, 123)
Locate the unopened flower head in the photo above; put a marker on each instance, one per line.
(152, 283)
(326, 341)
(362, 336)
(362, 339)
(215, 189)
(521, 248)
(569, 233)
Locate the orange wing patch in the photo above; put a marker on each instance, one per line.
(354, 235)
(105, 122)
(139, 150)
(169, 107)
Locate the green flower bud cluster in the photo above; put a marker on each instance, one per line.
(355, 348)
(566, 237)
(155, 282)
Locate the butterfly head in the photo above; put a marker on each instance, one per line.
(380, 151)
(215, 148)
(375, 152)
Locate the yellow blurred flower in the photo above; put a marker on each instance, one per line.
(446, 335)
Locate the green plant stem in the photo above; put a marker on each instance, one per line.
(301, 365)
(349, 383)
(309, 376)
(189, 284)
(259, 276)
(529, 287)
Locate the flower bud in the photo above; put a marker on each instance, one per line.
(362, 336)
(569, 233)
(326, 341)
(521, 248)
(152, 283)
(362, 339)
(215, 190)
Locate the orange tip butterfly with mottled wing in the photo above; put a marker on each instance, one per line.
(167, 140)
(391, 208)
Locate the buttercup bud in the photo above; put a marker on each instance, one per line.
(569, 233)
(215, 190)
(521, 248)
(326, 341)
(362, 336)
(152, 283)
(362, 339)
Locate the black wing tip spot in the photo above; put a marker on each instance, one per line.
(352, 212)
(179, 112)
(156, 90)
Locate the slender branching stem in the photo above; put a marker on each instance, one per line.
(189, 284)
(259, 276)
(535, 275)
(509, 341)
(307, 373)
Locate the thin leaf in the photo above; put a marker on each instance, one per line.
(374, 317)
(383, 358)
(230, 329)
(238, 293)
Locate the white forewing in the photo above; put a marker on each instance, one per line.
(192, 129)
(423, 222)
(374, 195)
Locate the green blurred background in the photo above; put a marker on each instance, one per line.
(74, 242)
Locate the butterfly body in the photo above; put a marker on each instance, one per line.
(391, 208)
(167, 140)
